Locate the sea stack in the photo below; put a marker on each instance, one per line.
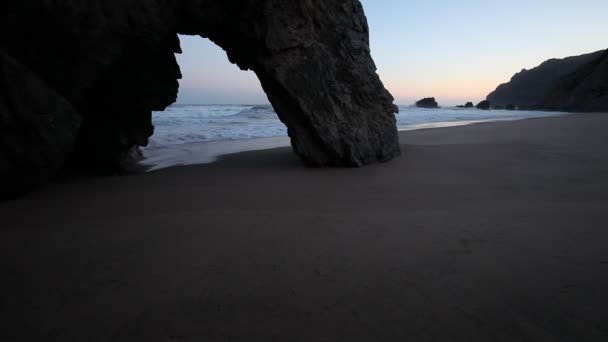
(428, 102)
(466, 105)
(483, 105)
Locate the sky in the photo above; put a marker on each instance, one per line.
(455, 51)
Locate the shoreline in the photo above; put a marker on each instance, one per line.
(489, 232)
(197, 153)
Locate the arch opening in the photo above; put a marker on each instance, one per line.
(313, 63)
(216, 101)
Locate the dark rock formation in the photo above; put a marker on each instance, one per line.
(428, 102)
(499, 107)
(469, 105)
(484, 105)
(529, 89)
(37, 129)
(585, 90)
(510, 107)
(113, 62)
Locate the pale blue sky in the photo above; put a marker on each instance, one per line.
(457, 51)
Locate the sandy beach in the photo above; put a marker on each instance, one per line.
(488, 232)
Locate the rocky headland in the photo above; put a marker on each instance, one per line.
(578, 83)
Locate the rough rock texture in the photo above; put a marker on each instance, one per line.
(529, 89)
(37, 129)
(313, 61)
(114, 62)
(483, 105)
(428, 102)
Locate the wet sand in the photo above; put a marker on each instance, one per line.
(489, 232)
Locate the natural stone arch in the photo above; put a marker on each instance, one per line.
(314, 63)
(114, 62)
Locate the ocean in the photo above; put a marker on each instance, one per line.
(181, 130)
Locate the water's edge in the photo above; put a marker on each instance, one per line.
(197, 153)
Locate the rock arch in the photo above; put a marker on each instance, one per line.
(113, 62)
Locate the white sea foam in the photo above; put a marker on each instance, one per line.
(189, 124)
(411, 117)
(183, 124)
(182, 131)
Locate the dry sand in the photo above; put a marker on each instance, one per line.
(489, 232)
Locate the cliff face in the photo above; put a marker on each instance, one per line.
(112, 62)
(37, 128)
(585, 90)
(531, 88)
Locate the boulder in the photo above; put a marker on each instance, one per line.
(483, 105)
(428, 102)
(510, 107)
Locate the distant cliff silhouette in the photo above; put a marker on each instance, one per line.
(571, 84)
(586, 89)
